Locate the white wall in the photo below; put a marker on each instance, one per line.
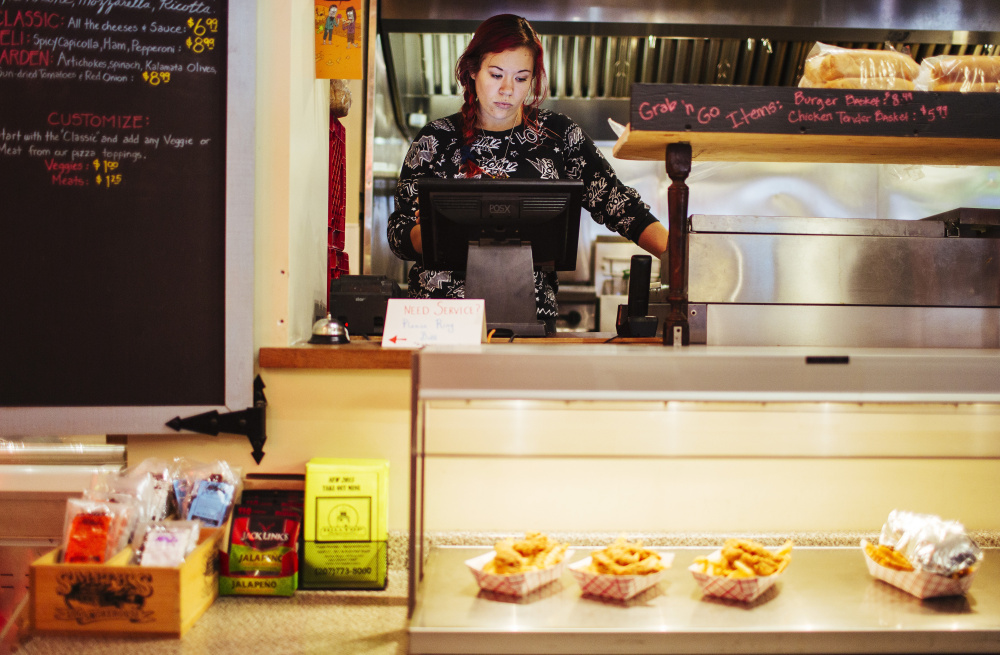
(292, 172)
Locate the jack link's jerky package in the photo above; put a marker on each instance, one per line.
(263, 554)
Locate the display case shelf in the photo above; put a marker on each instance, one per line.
(825, 602)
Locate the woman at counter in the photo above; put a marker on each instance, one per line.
(501, 132)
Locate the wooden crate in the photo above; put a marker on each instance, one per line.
(119, 598)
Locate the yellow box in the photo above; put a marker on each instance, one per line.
(117, 597)
(345, 524)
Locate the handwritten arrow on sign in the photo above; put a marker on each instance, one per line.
(395, 338)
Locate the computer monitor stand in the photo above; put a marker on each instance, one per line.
(503, 275)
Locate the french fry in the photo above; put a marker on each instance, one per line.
(741, 570)
(888, 557)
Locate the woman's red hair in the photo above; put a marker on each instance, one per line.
(496, 34)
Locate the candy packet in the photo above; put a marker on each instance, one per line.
(94, 530)
(205, 492)
(164, 543)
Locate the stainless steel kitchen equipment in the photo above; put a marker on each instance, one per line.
(757, 281)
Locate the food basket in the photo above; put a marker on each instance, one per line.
(920, 583)
(617, 587)
(516, 584)
(741, 589)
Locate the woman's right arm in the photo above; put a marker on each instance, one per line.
(423, 159)
(404, 226)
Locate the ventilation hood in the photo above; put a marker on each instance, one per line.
(595, 50)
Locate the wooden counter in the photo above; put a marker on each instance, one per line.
(359, 354)
(364, 353)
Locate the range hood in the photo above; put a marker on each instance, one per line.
(596, 49)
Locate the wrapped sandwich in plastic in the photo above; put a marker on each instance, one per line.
(923, 555)
(832, 67)
(961, 73)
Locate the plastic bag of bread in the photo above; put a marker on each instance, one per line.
(962, 73)
(832, 67)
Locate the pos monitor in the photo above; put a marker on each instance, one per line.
(499, 232)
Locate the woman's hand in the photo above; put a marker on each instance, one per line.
(415, 236)
(654, 239)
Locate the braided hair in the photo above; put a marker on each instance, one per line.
(497, 34)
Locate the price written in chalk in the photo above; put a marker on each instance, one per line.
(934, 113)
(109, 178)
(108, 181)
(203, 26)
(156, 78)
(198, 42)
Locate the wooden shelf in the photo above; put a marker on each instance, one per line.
(789, 124)
(371, 355)
(722, 146)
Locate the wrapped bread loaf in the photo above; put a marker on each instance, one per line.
(962, 73)
(878, 83)
(834, 67)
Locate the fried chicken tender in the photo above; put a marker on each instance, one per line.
(755, 556)
(536, 551)
(743, 558)
(625, 558)
(507, 560)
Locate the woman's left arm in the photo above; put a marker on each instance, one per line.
(609, 201)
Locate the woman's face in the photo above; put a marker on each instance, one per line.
(502, 84)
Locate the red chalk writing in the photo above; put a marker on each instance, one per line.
(782, 110)
(802, 98)
(648, 110)
(796, 116)
(30, 19)
(742, 116)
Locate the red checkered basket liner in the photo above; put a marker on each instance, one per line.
(517, 584)
(617, 587)
(919, 583)
(741, 589)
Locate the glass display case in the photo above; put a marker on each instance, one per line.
(682, 448)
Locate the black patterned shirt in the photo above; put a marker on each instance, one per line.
(556, 149)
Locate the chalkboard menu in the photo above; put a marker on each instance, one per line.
(113, 218)
(791, 110)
